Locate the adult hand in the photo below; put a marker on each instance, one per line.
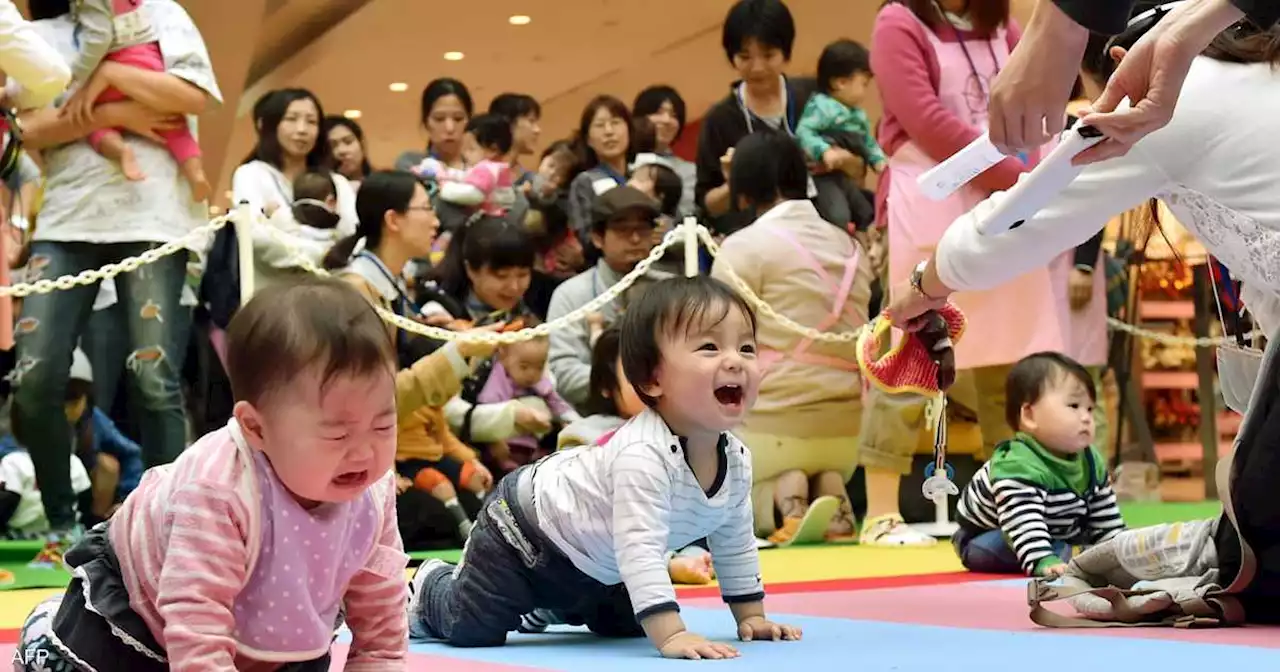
(138, 119)
(1030, 94)
(1079, 289)
(530, 421)
(692, 646)
(1151, 76)
(909, 310)
(81, 103)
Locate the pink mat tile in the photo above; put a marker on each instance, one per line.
(419, 662)
(979, 606)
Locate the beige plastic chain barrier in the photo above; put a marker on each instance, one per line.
(684, 234)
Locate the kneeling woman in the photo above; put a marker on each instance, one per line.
(1210, 168)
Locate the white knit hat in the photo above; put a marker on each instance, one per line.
(81, 369)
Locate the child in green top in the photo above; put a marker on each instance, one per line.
(833, 129)
(1046, 489)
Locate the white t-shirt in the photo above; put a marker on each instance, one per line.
(1213, 165)
(616, 510)
(260, 184)
(18, 475)
(86, 197)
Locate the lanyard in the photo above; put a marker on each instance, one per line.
(789, 112)
(611, 174)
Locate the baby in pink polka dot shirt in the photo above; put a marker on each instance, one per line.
(243, 553)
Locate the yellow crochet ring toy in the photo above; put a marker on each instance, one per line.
(914, 367)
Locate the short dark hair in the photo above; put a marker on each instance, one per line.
(667, 186)
(314, 185)
(650, 100)
(288, 328)
(603, 385)
(615, 107)
(767, 167)
(492, 131)
(842, 58)
(768, 22)
(667, 307)
(514, 106)
(1033, 374)
(644, 136)
(492, 242)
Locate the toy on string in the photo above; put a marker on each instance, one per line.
(922, 364)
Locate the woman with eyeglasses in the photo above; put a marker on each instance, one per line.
(1216, 172)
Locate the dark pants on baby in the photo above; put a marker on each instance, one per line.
(509, 568)
(987, 551)
(841, 202)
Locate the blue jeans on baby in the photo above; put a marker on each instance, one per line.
(989, 553)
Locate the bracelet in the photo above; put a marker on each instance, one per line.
(917, 282)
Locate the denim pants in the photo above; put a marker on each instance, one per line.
(989, 553)
(508, 569)
(155, 325)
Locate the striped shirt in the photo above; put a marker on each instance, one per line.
(187, 540)
(615, 511)
(1036, 498)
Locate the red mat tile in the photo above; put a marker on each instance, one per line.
(976, 605)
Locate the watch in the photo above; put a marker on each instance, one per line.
(917, 280)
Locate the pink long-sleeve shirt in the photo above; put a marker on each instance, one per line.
(907, 76)
(188, 540)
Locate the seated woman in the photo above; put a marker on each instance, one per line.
(483, 278)
(803, 431)
(397, 224)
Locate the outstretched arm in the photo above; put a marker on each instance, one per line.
(30, 60)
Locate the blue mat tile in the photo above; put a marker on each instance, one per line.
(866, 645)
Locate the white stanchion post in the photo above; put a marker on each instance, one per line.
(243, 221)
(690, 228)
(941, 526)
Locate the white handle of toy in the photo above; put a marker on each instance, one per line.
(938, 487)
(945, 178)
(1036, 189)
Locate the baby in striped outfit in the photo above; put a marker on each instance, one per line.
(1045, 490)
(585, 532)
(241, 554)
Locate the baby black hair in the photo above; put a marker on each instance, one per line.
(603, 385)
(768, 22)
(667, 307)
(315, 185)
(842, 58)
(492, 131)
(1033, 374)
(667, 186)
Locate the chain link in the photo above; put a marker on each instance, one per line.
(198, 237)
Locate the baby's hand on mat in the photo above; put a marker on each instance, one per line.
(1054, 571)
(693, 646)
(759, 627)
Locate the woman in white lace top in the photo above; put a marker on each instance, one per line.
(1217, 169)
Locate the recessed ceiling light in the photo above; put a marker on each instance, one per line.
(399, 87)
(352, 114)
(453, 55)
(519, 20)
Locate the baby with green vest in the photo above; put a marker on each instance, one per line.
(1045, 490)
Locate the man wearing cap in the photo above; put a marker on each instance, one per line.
(623, 220)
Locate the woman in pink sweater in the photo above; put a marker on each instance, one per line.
(803, 430)
(934, 61)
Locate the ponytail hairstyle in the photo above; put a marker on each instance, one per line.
(485, 241)
(381, 192)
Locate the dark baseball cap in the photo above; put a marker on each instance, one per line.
(620, 199)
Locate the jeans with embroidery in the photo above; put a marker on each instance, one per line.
(156, 325)
(509, 569)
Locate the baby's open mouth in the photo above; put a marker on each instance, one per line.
(351, 478)
(729, 395)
